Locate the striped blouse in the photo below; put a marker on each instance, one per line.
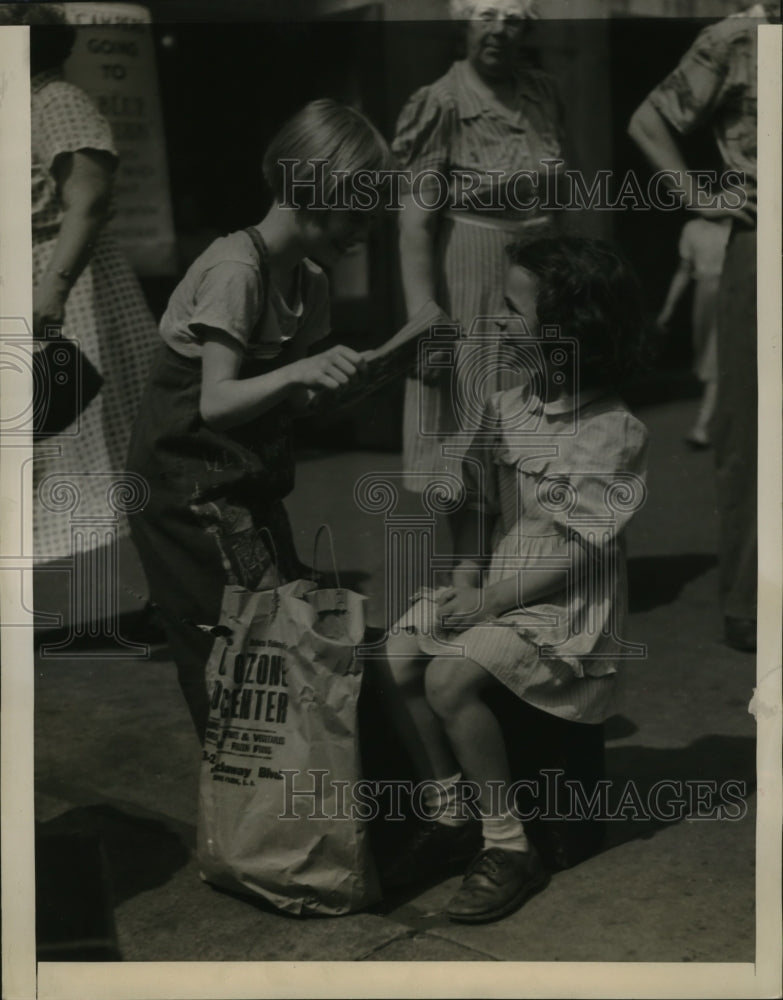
(450, 126)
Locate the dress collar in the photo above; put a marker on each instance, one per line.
(522, 410)
(473, 102)
(45, 77)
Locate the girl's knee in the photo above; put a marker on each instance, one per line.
(402, 663)
(446, 685)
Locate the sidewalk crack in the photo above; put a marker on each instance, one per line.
(412, 933)
(405, 935)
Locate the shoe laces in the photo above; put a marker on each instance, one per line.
(489, 863)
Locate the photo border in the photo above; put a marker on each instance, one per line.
(193, 981)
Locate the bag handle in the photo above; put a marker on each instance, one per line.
(324, 529)
(275, 590)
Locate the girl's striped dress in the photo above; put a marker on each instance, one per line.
(546, 474)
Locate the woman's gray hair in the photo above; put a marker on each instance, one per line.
(462, 10)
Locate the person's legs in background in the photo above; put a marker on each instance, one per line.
(704, 321)
(700, 436)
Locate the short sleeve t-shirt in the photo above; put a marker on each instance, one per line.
(222, 289)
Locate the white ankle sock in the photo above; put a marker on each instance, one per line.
(504, 831)
(441, 804)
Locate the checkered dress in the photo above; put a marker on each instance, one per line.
(106, 313)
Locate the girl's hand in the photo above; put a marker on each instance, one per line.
(465, 604)
(466, 574)
(49, 300)
(329, 370)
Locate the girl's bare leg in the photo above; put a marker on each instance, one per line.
(453, 689)
(421, 732)
(507, 871)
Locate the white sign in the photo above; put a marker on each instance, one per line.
(114, 61)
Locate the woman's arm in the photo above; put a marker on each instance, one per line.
(418, 227)
(656, 139)
(418, 232)
(228, 401)
(85, 182)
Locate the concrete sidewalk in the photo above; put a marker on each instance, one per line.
(115, 752)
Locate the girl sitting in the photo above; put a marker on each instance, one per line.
(552, 479)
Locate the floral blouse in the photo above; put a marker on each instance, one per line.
(716, 83)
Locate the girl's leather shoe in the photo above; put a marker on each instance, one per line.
(496, 883)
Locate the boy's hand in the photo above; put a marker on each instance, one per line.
(329, 370)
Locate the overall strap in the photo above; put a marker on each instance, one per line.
(263, 266)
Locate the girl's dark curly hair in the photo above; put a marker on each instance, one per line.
(588, 290)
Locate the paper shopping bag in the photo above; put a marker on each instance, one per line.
(278, 817)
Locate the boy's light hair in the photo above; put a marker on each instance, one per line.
(464, 10)
(329, 131)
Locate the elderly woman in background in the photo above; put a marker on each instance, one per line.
(489, 118)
